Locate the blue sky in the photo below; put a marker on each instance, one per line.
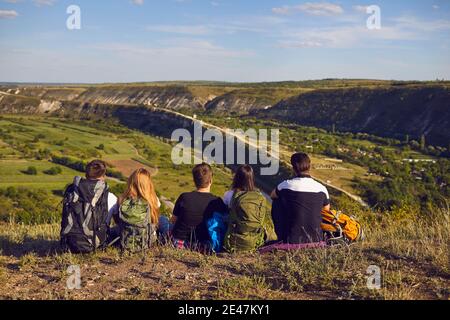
(227, 40)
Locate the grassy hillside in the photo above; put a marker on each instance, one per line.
(35, 142)
(411, 252)
(407, 232)
(388, 112)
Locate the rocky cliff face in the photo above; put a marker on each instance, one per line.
(389, 112)
(18, 104)
(174, 98)
(144, 118)
(385, 111)
(236, 103)
(170, 97)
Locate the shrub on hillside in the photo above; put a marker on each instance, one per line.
(28, 206)
(32, 171)
(74, 164)
(53, 171)
(80, 166)
(118, 189)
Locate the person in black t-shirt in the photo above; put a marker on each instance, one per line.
(298, 204)
(193, 209)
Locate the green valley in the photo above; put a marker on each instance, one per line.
(48, 133)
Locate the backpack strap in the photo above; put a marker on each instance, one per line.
(99, 189)
(71, 196)
(235, 198)
(238, 195)
(76, 181)
(149, 217)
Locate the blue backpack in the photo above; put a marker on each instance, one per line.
(217, 227)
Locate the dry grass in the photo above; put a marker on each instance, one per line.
(412, 253)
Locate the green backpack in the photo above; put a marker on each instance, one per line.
(250, 224)
(136, 231)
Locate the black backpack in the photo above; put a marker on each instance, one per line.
(84, 225)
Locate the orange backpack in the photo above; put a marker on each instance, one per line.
(339, 227)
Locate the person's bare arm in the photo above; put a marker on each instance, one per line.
(176, 210)
(274, 195)
(326, 204)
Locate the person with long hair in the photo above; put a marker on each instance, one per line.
(140, 187)
(243, 180)
(138, 214)
(250, 225)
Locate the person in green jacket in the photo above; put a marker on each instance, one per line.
(250, 224)
(138, 215)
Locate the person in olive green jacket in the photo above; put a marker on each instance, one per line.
(250, 223)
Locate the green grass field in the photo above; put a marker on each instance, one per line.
(80, 141)
(12, 174)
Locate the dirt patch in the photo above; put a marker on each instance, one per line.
(3, 144)
(127, 167)
(165, 274)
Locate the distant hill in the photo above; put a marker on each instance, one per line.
(385, 108)
(389, 112)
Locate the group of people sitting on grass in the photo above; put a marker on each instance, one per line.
(243, 220)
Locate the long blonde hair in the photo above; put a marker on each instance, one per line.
(140, 185)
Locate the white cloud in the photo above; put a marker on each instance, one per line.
(435, 6)
(138, 2)
(299, 44)
(359, 8)
(282, 10)
(8, 14)
(342, 37)
(41, 3)
(177, 48)
(256, 24)
(187, 30)
(319, 9)
(413, 23)
(312, 8)
(405, 28)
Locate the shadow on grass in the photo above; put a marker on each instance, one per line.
(429, 269)
(40, 247)
(59, 193)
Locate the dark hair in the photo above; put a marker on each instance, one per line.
(244, 179)
(301, 163)
(95, 169)
(202, 174)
